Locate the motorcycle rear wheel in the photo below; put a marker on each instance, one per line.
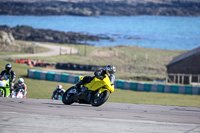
(68, 98)
(99, 100)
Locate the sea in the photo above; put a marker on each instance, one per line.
(159, 32)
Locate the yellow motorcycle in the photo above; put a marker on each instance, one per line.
(95, 92)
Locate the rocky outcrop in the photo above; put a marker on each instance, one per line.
(6, 38)
(41, 35)
(101, 7)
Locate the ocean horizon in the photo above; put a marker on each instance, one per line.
(160, 32)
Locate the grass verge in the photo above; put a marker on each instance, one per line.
(132, 62)
(41, 89)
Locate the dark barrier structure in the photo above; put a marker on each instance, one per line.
(72, 66)
(121, 84)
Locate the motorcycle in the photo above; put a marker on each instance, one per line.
(17, 93)
(4, 87)
(57, 96)
(95, 92)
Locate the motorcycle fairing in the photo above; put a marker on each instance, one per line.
(96, 84)
(17, 94)
(4, 86)
(3, 83)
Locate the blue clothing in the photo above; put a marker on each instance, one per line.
(57, 92)
(112, 78)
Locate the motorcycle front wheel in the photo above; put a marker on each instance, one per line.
(1, 93)
(99, 99)
(68, 97)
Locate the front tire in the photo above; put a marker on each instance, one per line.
(100, 99)
(68, 97)
(1, 93)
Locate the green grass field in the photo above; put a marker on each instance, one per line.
(132, 62)
(41, 89)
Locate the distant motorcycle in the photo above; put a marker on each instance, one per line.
(17, 93)
(4, 87)
(57, 96)
(95, 93)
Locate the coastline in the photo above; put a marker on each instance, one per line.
(100, 7)
(28, 33)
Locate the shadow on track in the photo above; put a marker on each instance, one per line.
(75, 105)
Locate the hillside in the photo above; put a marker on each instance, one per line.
(101, 7)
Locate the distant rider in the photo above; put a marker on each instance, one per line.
(100, 74)
(21, 85)
(59, 91)
(10, 74)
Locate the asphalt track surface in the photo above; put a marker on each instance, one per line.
(43, 115)
(52, 116)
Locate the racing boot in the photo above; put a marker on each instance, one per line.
(11, 89)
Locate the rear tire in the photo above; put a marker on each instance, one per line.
(99, 100)
(68, 98)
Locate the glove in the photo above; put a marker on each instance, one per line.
(23, 91)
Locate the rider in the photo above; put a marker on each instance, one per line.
(58, 90)
(10, 74)
(21, 85)
(100, 74)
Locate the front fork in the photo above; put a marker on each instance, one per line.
(102, 90)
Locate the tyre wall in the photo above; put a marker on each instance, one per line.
(71, 66)
(121, 84)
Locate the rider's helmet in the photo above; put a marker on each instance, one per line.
(20, 81)
(110, 69)
(8, 67)
(59, 87)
